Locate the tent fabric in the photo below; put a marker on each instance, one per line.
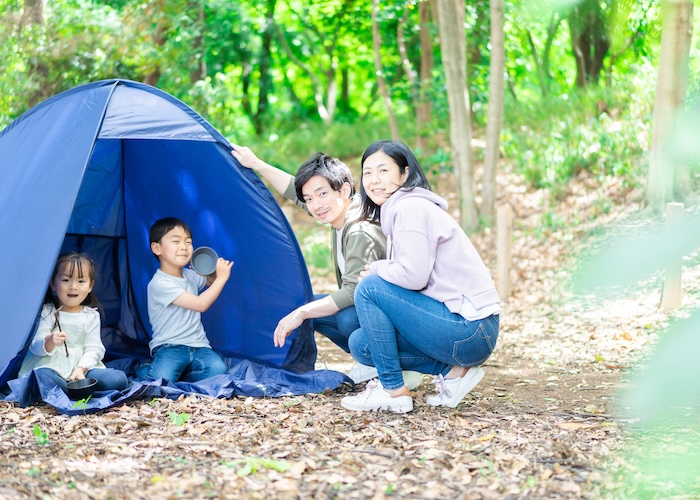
(90, 170)
(244, 378)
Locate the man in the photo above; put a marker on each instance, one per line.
(324, 186)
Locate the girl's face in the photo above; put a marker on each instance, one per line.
(381, 177)
(72, 288)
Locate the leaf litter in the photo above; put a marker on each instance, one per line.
(542, 422)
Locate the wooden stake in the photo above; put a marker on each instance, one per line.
(672, 285)
(504, 251)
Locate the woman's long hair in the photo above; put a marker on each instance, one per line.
(403, 157)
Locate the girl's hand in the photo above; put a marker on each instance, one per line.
(78, 373)
(54, 339)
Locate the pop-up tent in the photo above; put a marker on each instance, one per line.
(90, 170)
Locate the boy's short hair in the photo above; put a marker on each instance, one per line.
(161, 227)
(332, 169)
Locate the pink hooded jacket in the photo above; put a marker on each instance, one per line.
(427, 251)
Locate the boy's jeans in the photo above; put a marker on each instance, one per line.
(404, 329)
(181, 362)
(339, 326)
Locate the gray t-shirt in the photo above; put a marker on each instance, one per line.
(172, 324)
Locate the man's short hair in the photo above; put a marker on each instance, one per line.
(332, 169)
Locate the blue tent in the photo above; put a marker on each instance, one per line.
(90, 170)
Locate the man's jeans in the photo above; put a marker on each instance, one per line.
(404, 329)
(180, 362)
(339, 326)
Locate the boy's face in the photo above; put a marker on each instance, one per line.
(324, 204)
(174, 250)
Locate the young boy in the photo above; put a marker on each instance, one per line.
(179, 346)
(324, 186)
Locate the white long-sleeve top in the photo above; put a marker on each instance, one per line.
(85, 347)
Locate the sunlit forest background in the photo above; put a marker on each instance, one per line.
(292, 77)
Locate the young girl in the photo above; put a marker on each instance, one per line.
(67, 344)
(431, 305)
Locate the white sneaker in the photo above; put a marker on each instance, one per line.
(412, 379)
(374, 397)
(362, 373)
(452, 391)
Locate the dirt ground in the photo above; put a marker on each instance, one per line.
(544, 423)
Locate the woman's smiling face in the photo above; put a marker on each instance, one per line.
(382, 177)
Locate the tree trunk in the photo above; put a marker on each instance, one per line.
(453, 48)
(540, 70)
(588, 40)
(33, 12)
(424, 110)
(377, 44)
(665, 178)
(37, 68)
(495, 112)
(199, 66)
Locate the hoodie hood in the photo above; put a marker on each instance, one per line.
(417, 192)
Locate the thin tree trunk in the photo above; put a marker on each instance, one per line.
(495, 112)
(665, 178)
(540, 71)
(424, 111)
(377, 44)
(199, 70)
(453, 48)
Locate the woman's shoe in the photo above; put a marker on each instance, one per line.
(452, 391)
(374, 397)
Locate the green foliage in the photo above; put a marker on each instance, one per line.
(600, 131)
(316, 248)
(40, 436)
(178, 418)
(253, 464)
(82, 403)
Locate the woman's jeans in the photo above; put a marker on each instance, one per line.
(339, 326)
(108, 379)
(404, 329)
(181, 362)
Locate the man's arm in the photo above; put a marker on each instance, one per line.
(317, 309)
(279, 179)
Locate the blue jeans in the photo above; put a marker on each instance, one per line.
(108, 379)
(404, 329)
(339, 326)
(181, 362)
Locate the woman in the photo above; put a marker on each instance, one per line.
(431, 305)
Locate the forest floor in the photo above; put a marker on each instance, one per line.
(546, 421)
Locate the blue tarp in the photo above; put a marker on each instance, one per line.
(90, 170)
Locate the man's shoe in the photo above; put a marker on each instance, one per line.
(374, 397)
(452, 391)
(362, 373)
